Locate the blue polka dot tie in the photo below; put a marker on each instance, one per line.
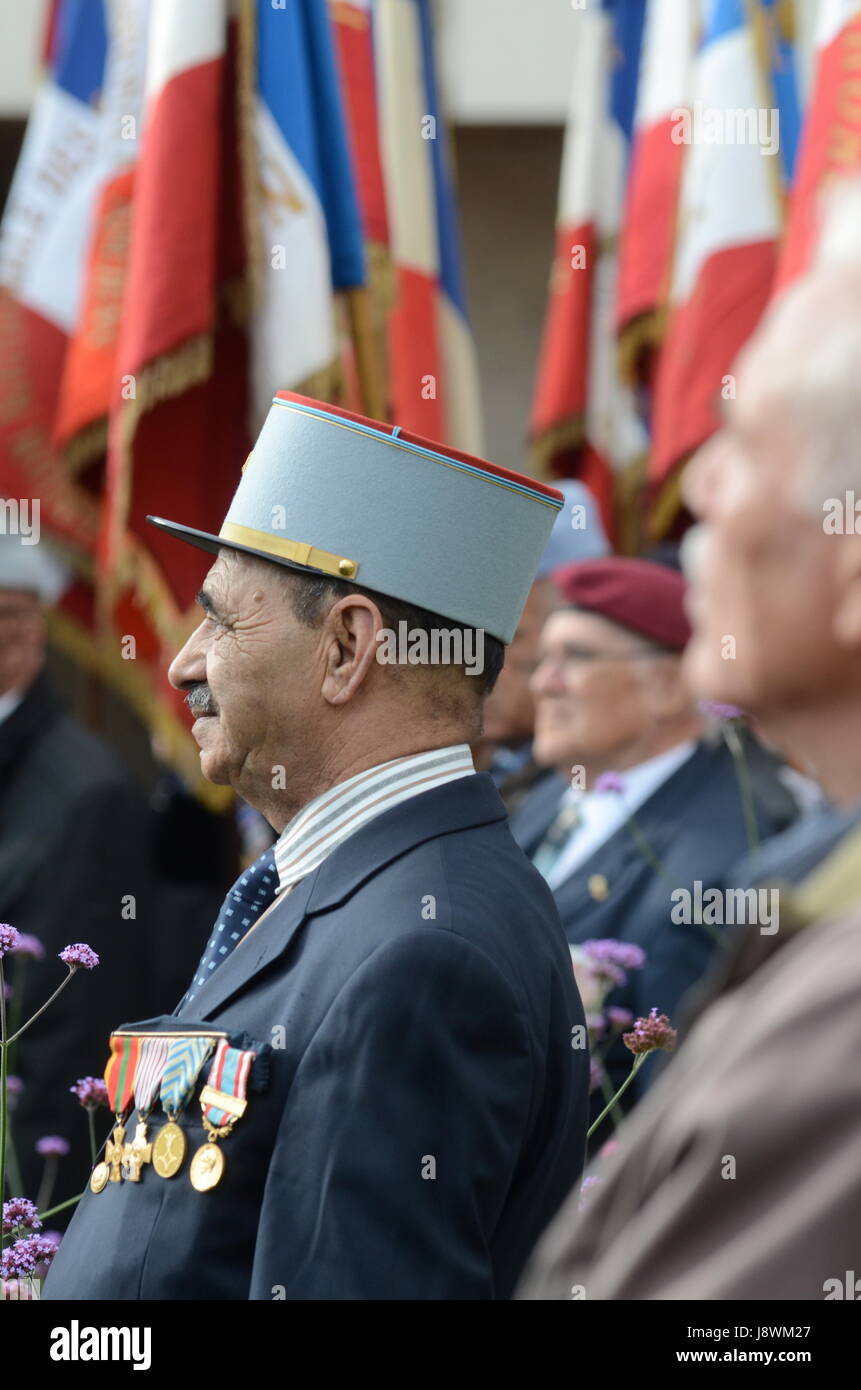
(250, 895)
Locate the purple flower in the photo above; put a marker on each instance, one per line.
(649, 1034)
(21, 1259)
(20, 1211)
(52, 1145)
(79, 956)
(14, 1087)
(596, 1024)
(90, 1091)
(609, 782)
(29, 945)
(720, 711)
(619, 1018)
(587, 1185)
(624, 954)
(9, 938)
(596, 1075)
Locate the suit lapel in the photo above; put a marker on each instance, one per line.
(456, 806)
(587, 895)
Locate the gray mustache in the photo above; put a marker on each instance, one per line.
(200, 701)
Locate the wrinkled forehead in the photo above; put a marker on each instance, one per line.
(784, 363)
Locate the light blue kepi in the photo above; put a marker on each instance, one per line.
(330, 492)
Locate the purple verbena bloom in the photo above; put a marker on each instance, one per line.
(719, 711)
(649, 1034)
(609, 782)
(20, 1211)
(52, 1145)
(20, 1260)
(29, 945)
(619, 1018)
(597, 1025)
(9, 938)
(588, 1185)
(14, 1087)
(90, 1091)
(624, 954)
(79, 956)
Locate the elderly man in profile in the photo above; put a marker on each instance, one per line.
(396, 1102)
(738, 1176)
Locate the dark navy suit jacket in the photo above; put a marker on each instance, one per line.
(694, 825)
(424, 1111)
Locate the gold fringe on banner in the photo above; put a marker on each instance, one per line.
(246, 69)
(86, 447)
(638, 336)
(567, 434)
(628, 488)
(667, 504)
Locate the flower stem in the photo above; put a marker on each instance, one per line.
(638, 1062)
(52, 1211)
(13, 1168)
(609, 1096)
(646, 850)
(91, 1117)
(46, 1005)
(4, 1099)
(13, 1019)
(745, 786)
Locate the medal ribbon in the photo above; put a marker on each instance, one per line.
(120, 1071)
(185, 1058)
(150, 1067)
(228, 1074)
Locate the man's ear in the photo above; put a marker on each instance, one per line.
(349, 644)
(847, 579)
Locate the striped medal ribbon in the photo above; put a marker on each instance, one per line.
(151, 1060)
(223, 1102)
(119, 1080)
(183, 1061)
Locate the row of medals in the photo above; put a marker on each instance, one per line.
(124, 1159)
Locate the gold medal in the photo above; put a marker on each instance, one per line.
(136, 1153)
(114, 1151)
(168, 1150)
(99, 1177)
(207, 1166)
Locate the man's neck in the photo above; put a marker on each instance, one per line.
(822, 742)
(283, 805)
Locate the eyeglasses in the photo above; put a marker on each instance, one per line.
(573, 658)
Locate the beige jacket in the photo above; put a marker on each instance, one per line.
(739, 1174)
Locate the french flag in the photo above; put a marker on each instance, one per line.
(434, 378)
(43, 256)
(309, 221)
(648, 231)
(584, 418)
(740, 143)
(831, 143)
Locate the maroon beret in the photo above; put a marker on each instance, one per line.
(639, 595)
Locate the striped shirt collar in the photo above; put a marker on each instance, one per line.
(328, 820)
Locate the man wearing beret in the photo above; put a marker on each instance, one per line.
(738, 1176)
(375, 1084)
(644, 803)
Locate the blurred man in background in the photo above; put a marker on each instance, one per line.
(505, 750)
(738, 1176)
(643, 802)
(73, 856)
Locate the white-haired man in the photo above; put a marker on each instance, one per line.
(738, 1176)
